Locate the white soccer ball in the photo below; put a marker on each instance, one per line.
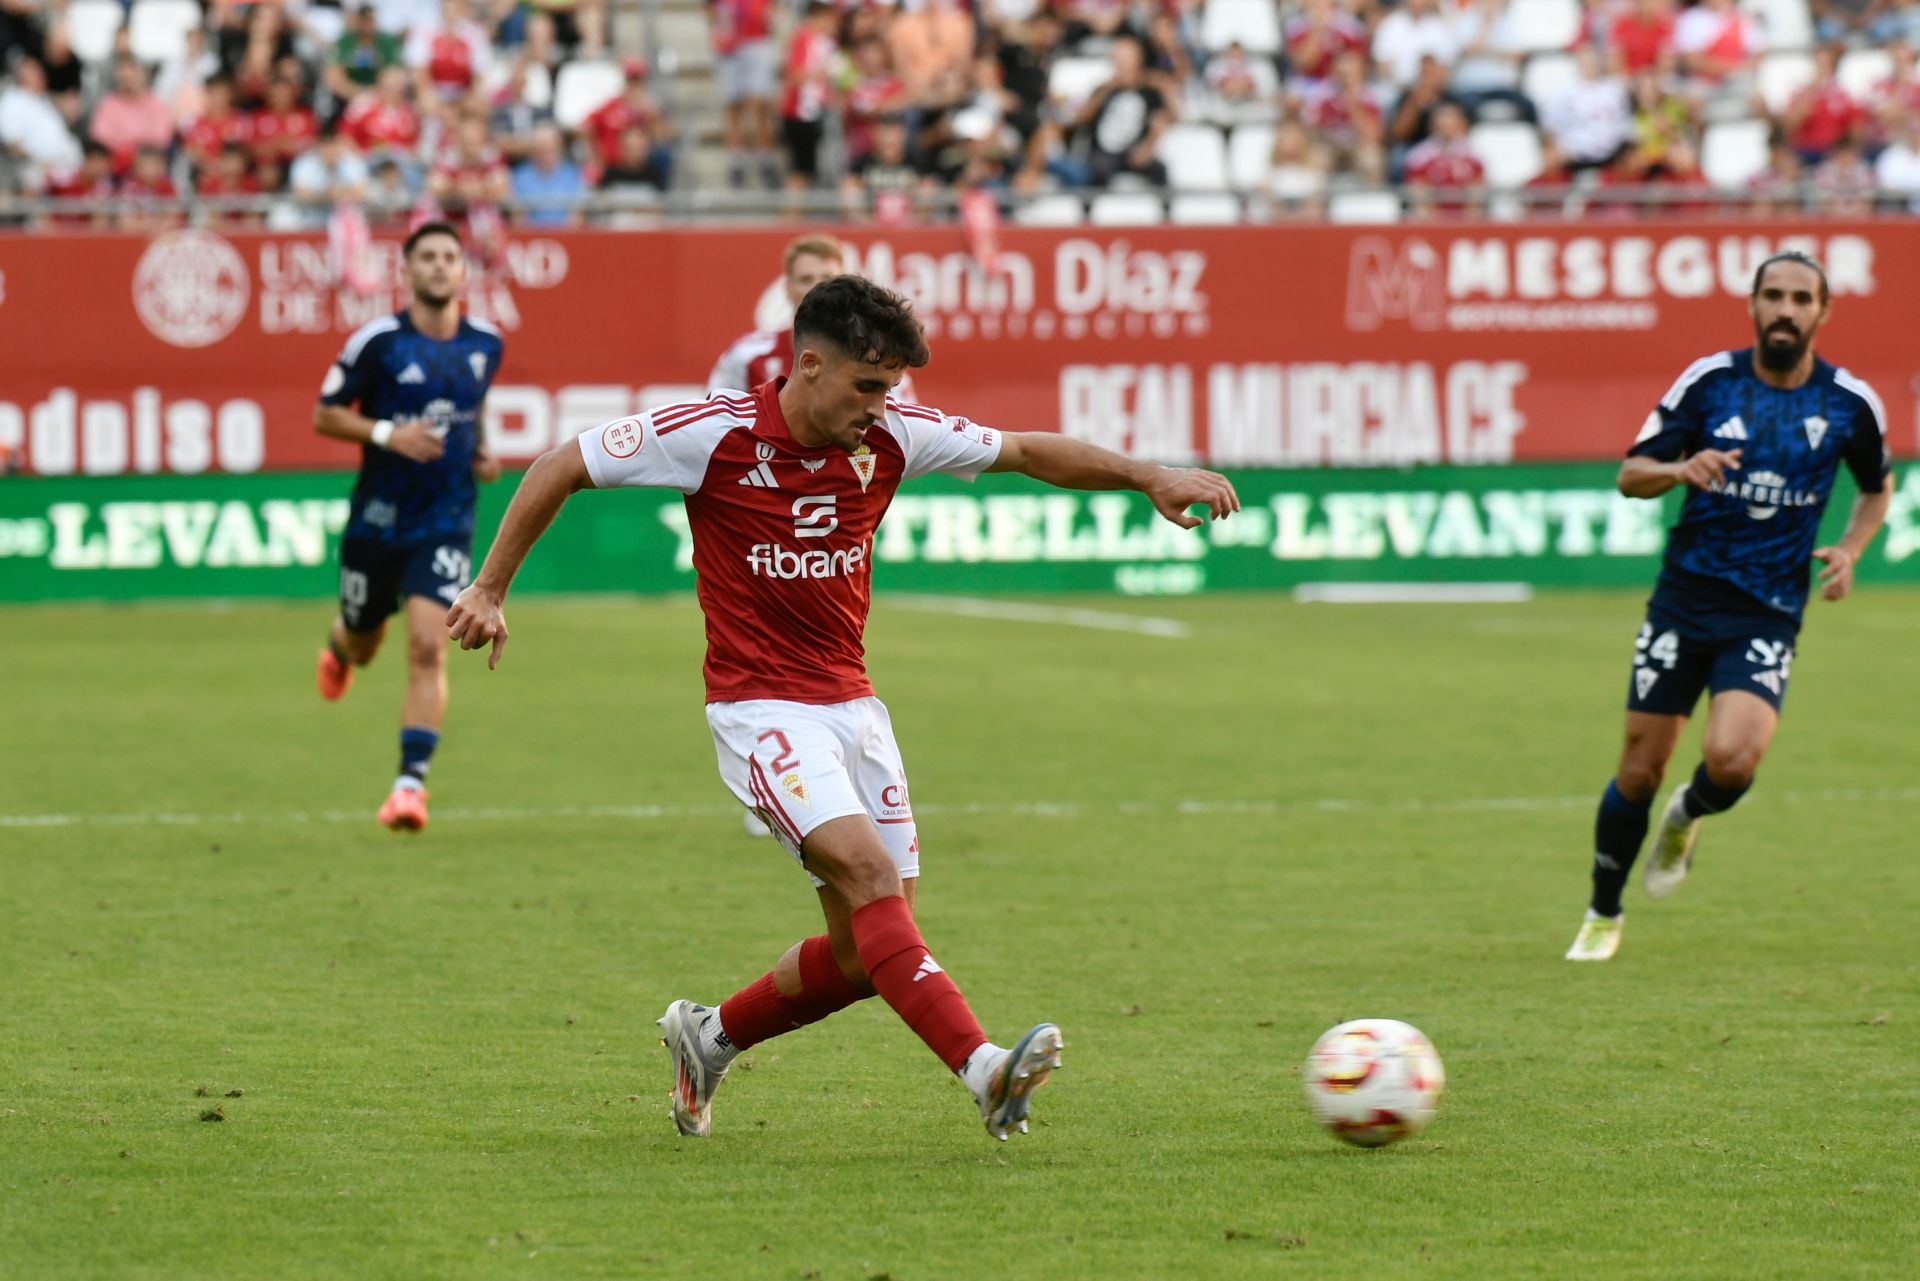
(1374, 1081)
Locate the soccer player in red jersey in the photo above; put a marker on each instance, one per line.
(784, 488)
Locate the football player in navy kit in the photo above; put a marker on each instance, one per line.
(1758, 436)
(410, 389)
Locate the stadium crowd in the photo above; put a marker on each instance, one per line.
(416, 108)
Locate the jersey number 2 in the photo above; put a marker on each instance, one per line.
(786, 760)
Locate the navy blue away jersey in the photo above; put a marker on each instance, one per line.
(389, 369)
(1756, 533)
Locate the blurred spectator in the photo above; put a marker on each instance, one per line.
(181, 81)
(382, 119)
(1487, 66)
(1777, 187)
(1416, 29)
(1716, 42)
(1168, 63)
(1093, 19)
(1861, 21)
(217, 127)
(885, 179)
(1345, 115)
(360, 55)
(932, 50)
(1025, 54)
(1661, 121)
(633, 105)
(1590, 118)
(635, 167)
(579, 25)
(145, 188)
(1845, 182)
(1319, 35)
(1444, 161)
(130, 117)
(1124, 119)
(1898, 166)
(805, 93)
(1413, 114)
(284, 128)
(1641, 39)
(471, 171)
(1296, 175)
(875, 92)
(548, 184)
(93, 180)
(20, 28)
(1899, 94)
(1240, 81)
(1822, 113)
(321, 21)
(1551, 191)
(512, 117)
(449, 56)
(329, 173)
(230, 174)
(32, 131)
(64, 72)
(746, 64)
(388, 195)
(255, 47)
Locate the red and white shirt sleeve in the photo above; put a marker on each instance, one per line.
(668, 448)
(933, 441)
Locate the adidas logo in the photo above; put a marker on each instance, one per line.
(1732, 429)
(927, 966)
(761, 477)
(412, 374)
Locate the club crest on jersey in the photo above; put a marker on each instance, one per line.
(796, 787)
(1816, 431)
(1644, 679)
(862, 461)
(478, 359)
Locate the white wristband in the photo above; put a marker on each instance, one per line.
(382, 433)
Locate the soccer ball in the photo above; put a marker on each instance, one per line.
(1374, 1081)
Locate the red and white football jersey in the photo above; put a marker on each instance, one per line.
(767, 354)
(782, 533)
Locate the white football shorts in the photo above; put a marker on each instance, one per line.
(798, 765)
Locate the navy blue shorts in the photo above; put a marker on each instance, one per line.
(1678, 655)
(375, 578)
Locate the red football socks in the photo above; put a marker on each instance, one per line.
(897, 964)
(757, 1012)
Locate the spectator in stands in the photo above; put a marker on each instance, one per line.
(1025, 51)
(471, 171)
(1716, 42)
(1444, 161)
(806, 91)
(64, 72)
(548, 185)
(388, 197)
(932, 50)
(875, 92)
(93, 180)
(1415, 30)
(218, 126)
(449, 56)
(1660, 121)
(1776, 188)
(886, 179)
(257, 48)
(1844, 183)
(1124, 119)
(381, 119)
(1641, 39)
(32, 131)
(1317, 36)
(1296, 174)
(230, 174)
(1093, 19)
(131, 117)
(322, 21)
(1345, 115)
(1822, 113)
(145, 188)
(1898, 165)
(1899, 94)
(20, 28)
(283, 130)
(1248, 87)
(746, 64)
(1413, 114)
(635, 168)
(1591, 117)
(633, 105)
(181, 81)
(360, 55)
(1860, 21)
(579, 25)
(330, 172)
(1683, 189)
(1550, 193)
(1168, 63)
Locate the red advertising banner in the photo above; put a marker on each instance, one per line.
(1247, 346)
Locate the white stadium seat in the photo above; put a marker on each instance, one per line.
(91, 27)
(1058, 210)
(1254, 23)
(1508, 149)
(1195, 157)
(1250, 156)
(158, 29)
(1546, 75)
(1363, 207)
(1073, 80)
(1863, 70)
(583, 87)
(1543, 26)
(1784, 24)
(1202, 209)
(1733, 151)
(1780, 76)
(1127, 209)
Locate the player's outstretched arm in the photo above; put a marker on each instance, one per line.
(1837, 561)
(1644, 477)
(1073, 464)
(478, 617)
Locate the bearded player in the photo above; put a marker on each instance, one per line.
(1758, 436)
(784, 488)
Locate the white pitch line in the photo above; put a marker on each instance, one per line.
(1022, 809)
(1413, 593)
(1059, 616)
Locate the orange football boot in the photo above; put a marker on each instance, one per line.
(405, 810)
(332, 675)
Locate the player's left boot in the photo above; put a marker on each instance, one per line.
(1672, 852)
(1599, 937)
(1021, 1071)
(331, 675)
(695, 1076)
(405, 810)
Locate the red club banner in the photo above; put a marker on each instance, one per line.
(1248, 346)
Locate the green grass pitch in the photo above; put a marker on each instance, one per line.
(434, 1056)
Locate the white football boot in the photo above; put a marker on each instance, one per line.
(695, 1075)
(1672, 852)
(1599, 937)
(1020, 1071)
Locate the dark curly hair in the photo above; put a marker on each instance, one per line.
(868, 323)
(1791, 255)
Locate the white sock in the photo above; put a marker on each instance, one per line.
(714, 1045)
(408, 783)
(977, 1071)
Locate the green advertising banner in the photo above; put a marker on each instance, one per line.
(1547, 525)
